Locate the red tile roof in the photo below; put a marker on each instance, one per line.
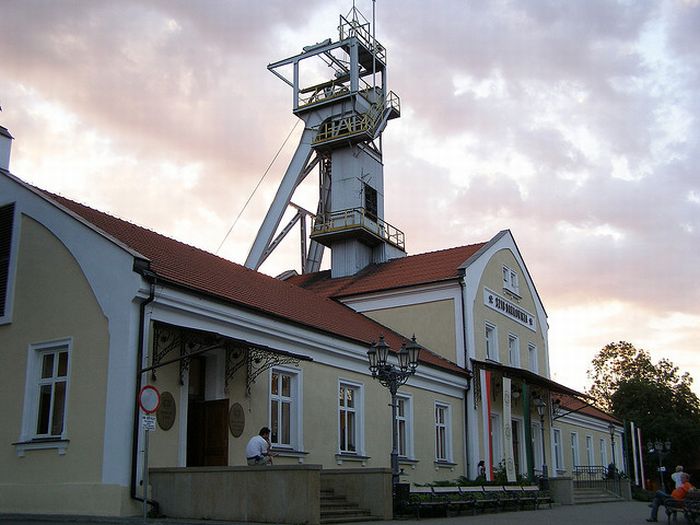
(203, 272)
(413, 270)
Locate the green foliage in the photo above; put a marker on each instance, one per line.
(656, 396)
(620, 362)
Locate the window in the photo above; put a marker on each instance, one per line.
(532, 357)
(443, 444)
(510, 280)
(536, 431)
(513, 350)
(574, 450)
(7, 214)
(558, 460)
(349, 418)
(496, 442)
(46, 397)
(370, 201)
(491, 342)
(404, 426)
(589, 450)
(603, 453)
(283, 407)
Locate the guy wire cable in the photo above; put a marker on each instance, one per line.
(256, 187)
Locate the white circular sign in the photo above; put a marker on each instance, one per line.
(149, 399)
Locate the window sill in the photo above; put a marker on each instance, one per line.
(353, 458)
(21, 447)
(445, 464)
(408, 461)
(290, 453)
(513, 294)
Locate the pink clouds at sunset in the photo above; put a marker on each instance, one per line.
(573, 124)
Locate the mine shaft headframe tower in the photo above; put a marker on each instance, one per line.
(340, 92)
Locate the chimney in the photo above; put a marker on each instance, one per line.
(5, 147)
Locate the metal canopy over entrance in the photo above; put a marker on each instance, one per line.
(176, 344)
(532, 379)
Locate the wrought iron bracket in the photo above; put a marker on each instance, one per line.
(239, 354)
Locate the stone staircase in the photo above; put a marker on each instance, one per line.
(337, 509)
(583, 496)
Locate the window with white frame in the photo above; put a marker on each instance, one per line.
(574, 450)
(536, 435)
(532, 357)
(603, 453)
(589, 451)
(510, 280)
(513, 350)
(495, 438)
(349, 418)
(404, 426)
(284, 407)
(443, 445)
(491, 342)
(7, 214)
(558, 456)
(47, 391)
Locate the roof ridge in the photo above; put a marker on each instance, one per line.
(59, 197)
(452, 248)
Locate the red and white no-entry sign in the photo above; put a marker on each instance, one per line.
(149, 399)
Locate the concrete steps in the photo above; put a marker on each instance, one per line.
(337, 509)
(583, 496)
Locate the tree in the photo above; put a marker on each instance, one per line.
(656, 396)
(619, 362)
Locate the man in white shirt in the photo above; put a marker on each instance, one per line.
(257, 452)
(676, 476)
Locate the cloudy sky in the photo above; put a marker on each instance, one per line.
(572, 123)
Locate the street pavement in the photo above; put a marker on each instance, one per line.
(619, 513)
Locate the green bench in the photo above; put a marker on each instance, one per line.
(445, 500)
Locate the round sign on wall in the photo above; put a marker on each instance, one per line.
(149, 399)
(236, 420)
(166, 411)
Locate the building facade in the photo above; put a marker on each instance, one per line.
(94, 308)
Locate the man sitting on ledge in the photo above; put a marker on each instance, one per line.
(678, 494)
(257, 452)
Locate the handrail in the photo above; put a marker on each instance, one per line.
(329, 90)
(358, 217)
(350, 28)
(356, 123)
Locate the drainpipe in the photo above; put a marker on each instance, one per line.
(151, 278)
(463, 288)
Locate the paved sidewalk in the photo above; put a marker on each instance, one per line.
(623, 513)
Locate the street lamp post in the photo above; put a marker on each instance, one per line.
(611, 429)
(541, 406)
(662, 450)
(392, 377)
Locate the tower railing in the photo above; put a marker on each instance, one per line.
(350, 28)
(330, 90)
(353, 218)
(357, 123)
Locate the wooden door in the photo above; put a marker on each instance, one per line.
(215, 442)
